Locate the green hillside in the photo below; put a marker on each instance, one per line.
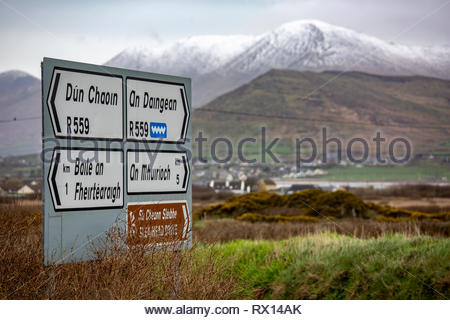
(295, 104)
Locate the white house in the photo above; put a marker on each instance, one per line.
(25, 190)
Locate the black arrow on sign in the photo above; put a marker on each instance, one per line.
(186, 113)
(52, 102)
(186, 173)
(53, 179)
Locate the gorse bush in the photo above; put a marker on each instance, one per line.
(238, 205)
(310, 203)
(388, 213)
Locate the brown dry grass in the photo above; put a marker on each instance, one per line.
(429, 205)
(213, 231)
(133, 274)
(404, 191)
(122, 274)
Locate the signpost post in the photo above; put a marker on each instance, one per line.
(115, 152)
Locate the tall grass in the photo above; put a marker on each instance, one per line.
(331, 266)
(316, 266)
(115, 273)
(214, 231)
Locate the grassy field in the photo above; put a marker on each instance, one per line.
(367, 260)
(388, 173)
(331, 266)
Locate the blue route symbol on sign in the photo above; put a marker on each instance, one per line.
(158, 130)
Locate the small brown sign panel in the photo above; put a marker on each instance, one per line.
(157, 222)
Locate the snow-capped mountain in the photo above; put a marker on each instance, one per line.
(313, 45)
(218, 64)
(192, 56)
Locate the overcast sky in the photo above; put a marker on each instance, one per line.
(95, 31)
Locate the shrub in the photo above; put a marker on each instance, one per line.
(312, 203)
(391, 214)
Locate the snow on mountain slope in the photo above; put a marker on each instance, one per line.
(187, 57)
(314, 45)
(218, 64)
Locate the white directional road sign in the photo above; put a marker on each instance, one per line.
(156, 110)
(157, 172)
(98, 124)
(85, 104)
(86, 178)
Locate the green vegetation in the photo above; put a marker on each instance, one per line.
(330, 266)
(311, 263)
(289, 105)
(388, 173)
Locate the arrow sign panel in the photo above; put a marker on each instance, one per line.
(156, 110)
(86, 179)
(157, 172)
(85, 104)
(157, 222)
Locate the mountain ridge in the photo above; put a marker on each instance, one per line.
(352, 96)
(20, 97)
(220, 64)
(304, 45)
